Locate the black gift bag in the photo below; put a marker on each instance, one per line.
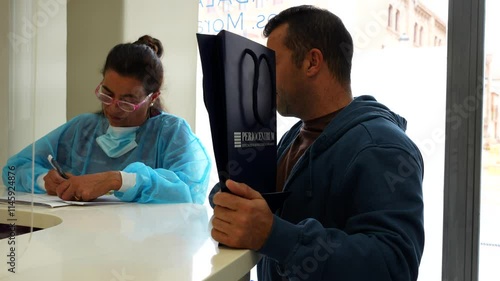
(239, 91)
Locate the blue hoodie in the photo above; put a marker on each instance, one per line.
(356, 208)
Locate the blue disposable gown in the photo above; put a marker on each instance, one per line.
(170, 162)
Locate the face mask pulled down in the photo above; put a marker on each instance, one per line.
(117, 141)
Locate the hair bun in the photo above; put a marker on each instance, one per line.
(151, 42)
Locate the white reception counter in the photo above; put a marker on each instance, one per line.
(121, 242)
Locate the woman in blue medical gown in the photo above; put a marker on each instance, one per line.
(132, 148)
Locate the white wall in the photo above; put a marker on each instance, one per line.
(175, 23)
(94, 27)
(51, 67)
(33, 67)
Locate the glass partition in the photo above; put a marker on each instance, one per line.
(33, 95)
(18, 124)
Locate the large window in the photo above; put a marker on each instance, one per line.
(489, 250)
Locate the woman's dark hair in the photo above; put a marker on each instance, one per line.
(140, 60)
(311, 27)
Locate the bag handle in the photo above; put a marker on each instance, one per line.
(255, 87)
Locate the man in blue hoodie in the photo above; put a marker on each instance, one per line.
(355, 212)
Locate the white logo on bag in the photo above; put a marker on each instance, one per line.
(253, 139)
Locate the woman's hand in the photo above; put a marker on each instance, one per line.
(52, 181)
(89, 187)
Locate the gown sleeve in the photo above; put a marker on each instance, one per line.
(22, 163)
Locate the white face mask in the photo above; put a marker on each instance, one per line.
(117, 141)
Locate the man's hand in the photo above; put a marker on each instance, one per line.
(89, 187)
(242, 219)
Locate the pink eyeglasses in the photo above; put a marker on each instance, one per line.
(123, 105)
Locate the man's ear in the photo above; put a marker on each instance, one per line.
(314, 61)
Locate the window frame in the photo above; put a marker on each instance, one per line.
(389, 16)
(462, 184)
(396, 20)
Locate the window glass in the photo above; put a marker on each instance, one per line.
(489, 250)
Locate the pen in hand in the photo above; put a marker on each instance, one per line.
(56, 166)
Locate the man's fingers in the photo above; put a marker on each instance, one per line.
(224, 199)
(221, 225)
(219, 236)
(242, 190)
(240, 196)
(229, 216)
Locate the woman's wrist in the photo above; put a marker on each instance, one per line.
(129, 180)
(115, 179)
